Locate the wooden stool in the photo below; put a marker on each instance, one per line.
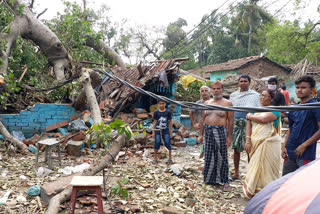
(50, 143)
(86, 183)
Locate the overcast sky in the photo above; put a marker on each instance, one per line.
(162, 12)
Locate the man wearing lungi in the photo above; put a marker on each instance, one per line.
(243, 97)
(217, 126)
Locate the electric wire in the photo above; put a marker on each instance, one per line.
(202, 31)
(197, 106)
(213, 12)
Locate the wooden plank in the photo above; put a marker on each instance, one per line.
(87, 181)
(49, 141)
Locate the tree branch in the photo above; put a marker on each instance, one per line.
(110, 54)
(41, 13)
(31, 5)
(27, 26)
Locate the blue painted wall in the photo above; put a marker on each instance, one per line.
(219, 75)
(35, 119)
(291, 88)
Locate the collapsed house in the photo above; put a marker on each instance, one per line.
(159, 78)
(113, 97)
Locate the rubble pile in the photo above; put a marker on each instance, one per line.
(141, 122)
(160, 188)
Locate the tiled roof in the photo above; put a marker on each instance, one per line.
(235, 64)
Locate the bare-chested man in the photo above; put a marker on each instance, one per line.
(205, 95)
(216, 131)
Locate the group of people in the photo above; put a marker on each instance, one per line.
(258, 134)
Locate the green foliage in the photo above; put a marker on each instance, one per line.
(100, 133)
(5, 18)
(26, 55)
(119, 189)
(224, 49)
(20, 9)
(174, 34)
(287, 43)
(10, 90)
(122, 127)
(247, 20)
(72, 27)
(190, 94)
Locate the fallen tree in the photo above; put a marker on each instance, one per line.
(82, 98)
(26, 25)
(92, 100)
(54, 204)
(8, 137)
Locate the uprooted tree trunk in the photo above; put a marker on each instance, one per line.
(54, 204)
(26, 25)
(82, 98)
(92, 100)
(7, 136)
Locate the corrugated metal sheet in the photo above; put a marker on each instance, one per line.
(115, 96)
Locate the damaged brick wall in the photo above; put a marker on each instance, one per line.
(35, 119)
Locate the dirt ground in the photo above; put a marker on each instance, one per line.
(151, 188)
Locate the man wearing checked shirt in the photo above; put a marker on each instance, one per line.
(243, 97)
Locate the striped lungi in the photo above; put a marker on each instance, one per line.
(216, 166)
(239, 134)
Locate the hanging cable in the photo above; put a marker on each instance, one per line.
(197, 106)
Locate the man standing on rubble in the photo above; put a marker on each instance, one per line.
(243, 97)
(216, 129)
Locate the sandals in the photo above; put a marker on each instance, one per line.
(226, 187)
(233, 178)
(169, 162)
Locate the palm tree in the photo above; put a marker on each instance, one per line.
(249, 17)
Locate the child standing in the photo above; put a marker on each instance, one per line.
(162, 127)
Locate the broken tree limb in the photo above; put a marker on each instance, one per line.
(26, 25)
(81, 100)
(91, 97)
(22, 75)
(100, 46)
(54, 204)
(7, 136)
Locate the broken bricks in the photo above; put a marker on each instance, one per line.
(74, 147)
(180, 144)
(57, 125)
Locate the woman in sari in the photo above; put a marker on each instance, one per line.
(263, 144)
